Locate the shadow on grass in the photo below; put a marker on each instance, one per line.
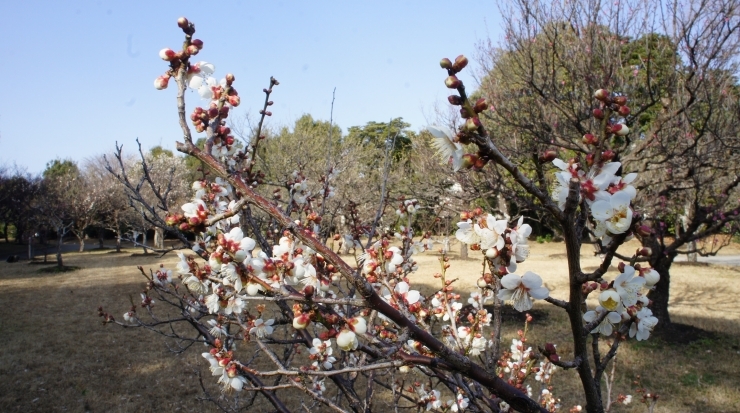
(57, 269)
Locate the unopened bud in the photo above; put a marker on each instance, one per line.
(620, 100)
(590, 159)
(460, 63)
(472, 124)
(602, 95)
(548, 156)
(308, 291)
(624, 110)
(192, 50)
(469, 160)
(620, 129)
(182, 23)
(644, 230)
(608, 155)
(621, 266)
(445, 63)
(480, 105)
(234, 100)
(167, 54)
(197, 43)
(455, 100)
(453, 82)
(589, 139)
(230, 78)
(645, 251)
(161, 82)
(598, 114)
(482, 283)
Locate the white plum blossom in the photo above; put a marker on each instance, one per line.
(610, 299)
(217, 330)
(231, 380)
(240, 245)
(410, 296)
(606, 327)
(347, 340)
(519, 236)
(521, 289)
(615, 213)
(623, 184)
(262, 328)
(162, 276)
(643, 324)
(628, 286)
(459, 404)
(200, 79)
(129, 316)
(594, 188)
(447, 149)
(651, 277)
(321, 352)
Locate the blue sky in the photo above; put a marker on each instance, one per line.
(78, 75)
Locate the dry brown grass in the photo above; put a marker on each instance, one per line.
(57, 357)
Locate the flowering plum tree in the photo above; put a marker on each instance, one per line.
(293, 315)
(677, 61)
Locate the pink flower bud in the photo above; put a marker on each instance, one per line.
(230, 78)
(234, 100)
(161, 82)
(589, 139)
(480, 105)
(624, 110)
(598, 114)
(620, 129)
(620, 100)
(590, 159)
(482, 283)
(167, 54)
(192, 50)
(645, 252)
(455, 100)
(197, 43)
(460, 63)
(300, 322)
(182, 23)
(608, 155)
(453, 82)
(644, 230)
(602, 95)
(548, 156)
(445, 63)
(469, 160)
(472, 124)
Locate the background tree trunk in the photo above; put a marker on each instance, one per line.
(159, 238)
(60, 262)
(81, 240)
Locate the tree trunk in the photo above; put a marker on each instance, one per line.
(159, 238)
(30, 247)
(81, 240)
(60, 262)
(101, 236)
(143, 242)
(463, 251)
(659, 295)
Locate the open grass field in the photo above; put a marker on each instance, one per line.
(57, 357)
